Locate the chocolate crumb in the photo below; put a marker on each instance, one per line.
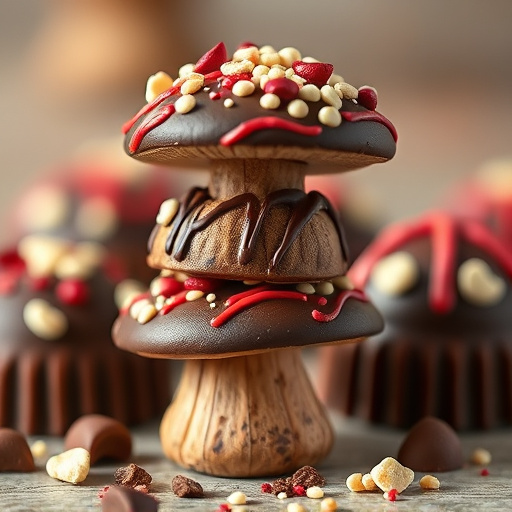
(283, 485)
(185, 487)
(123, 499)
(307, 476)
(132, 476)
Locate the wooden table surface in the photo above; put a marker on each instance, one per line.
(358, 448)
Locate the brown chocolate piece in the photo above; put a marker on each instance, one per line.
(307, 476)
(15, 454)
(103, 437)
(284, 484)
(124, 499)
(132, 476)
(185, 487)
(431, 446)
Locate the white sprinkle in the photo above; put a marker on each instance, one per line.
(329, 116)
(228, 102)
(185, 103)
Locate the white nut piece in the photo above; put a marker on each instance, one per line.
(70, 466)
(330, 97)
(368, 482)
(335, 79)
(481, 457)
(429, 483)
(289, 55)
(260, 70)
(343, 283)
(298, 108)
(211, 297)
(270, 58)
(126, 291)
(329, 116)
(310, 92)
(192, 295)
(295, 507)
(328, 505)
(243, 88)
(347, 91)
(478, 284)
(282, 496)
(237, 498)
(270, 101)
(228, 102)
(191, 85)
(44, 320)
(267, 49)
(324, 288)
(157, 84)
(390, 474)
(306, 288)
(314, 492)
(354, 482)
(41, 253)
(395, 274)
(184, 104)
(275, 72)
(186, 70)
(137, 307)
(167, 211)
(236, 68)
(39, 449)
(147, 313)
(250, 53)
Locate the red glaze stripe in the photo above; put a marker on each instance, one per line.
(175, 300)
(152, 122)
(342, 297)
(235, 298)
(251, 300)
(267, 123)
(371, 115)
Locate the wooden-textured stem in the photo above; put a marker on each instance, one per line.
(246, 416)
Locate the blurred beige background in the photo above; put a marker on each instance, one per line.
(72, 70)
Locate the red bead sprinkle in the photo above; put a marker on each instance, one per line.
(224, 507)
(102, 492)
(229, 81)
(484, 472)
(72, 292)
(392, 495)
(202, 284)
(285, 88)
(316, 73)
(214, 95)
(12, 260)
(266, 488)
(39, 283)
(299, 490)
(367, 97)
(212, 59)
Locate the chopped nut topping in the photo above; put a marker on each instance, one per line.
(429, 482)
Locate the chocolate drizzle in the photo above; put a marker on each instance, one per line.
(303, 207)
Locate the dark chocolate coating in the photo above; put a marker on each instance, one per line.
(15, 454)
(455, 366)
(186, 333)
(431, 446)
(46, 384)
(123, 499)
(210, 120)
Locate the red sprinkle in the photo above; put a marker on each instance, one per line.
(484, 472)
(370, 115)
(392, 495)
(224, 507)
(212, 60)
(215, 95)
(343, 296)
(174, 301)
(299, 490)
(151, 122)
(203, 284)
(102, 492)
(246, 128)
(266, 488)
(316, 73)
(12, 261)
(73, 292)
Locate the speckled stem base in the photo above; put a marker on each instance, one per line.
(246, 417)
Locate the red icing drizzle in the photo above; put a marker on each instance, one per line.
(151, 122)
(266, 123)
(342, 297)
(174, 301)
(370, 115)
(235, 298)
(443, 230)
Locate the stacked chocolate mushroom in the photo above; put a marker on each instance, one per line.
(252, 267)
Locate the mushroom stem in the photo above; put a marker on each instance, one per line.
(246, 416)
(229, 178)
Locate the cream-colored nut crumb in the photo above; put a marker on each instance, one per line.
(295, 507)
(137, 307)
(267, 48)
(192, 295)
(228, 102)
(335, 79)
(263, 81)
(237, 498)
(368, 482)
(270, 101)
(236, 68)
(289, 72)
(355, 482)
(314, 492)
(251, 282)
(213, 305)
(38, 449)
(343, 283)
(429, 482)
(390, 474)
(191, 86)
(185, 103)
(90, 254)
(243, 88)
(346, 91)
(310, 92)
(328, 504)
(260, 70)
(250, 53)
(481, 457)
(70, 267)
(395, 274)
(306, 288)
(44, 320)
(211, 297)
(181, 277)
(160, 302)
(270, 58)
(478, 284)
(298, 108)
(167, 211)
(330, 96)
(186, 70)
(289, 55)
(70, 466)
(324, 288)
(167, 272)
(282, 496)
(329, 116)
(157, 84)
(298, 80)
(126, 291)
(274, 73)
(41, 253)
(147, 313)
